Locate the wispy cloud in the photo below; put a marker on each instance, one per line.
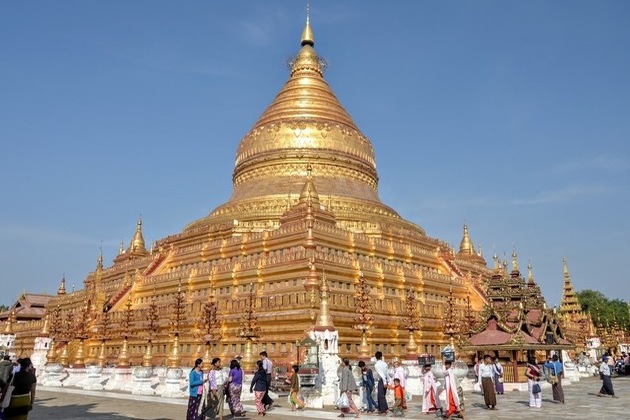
(42, 234)
(262, 28)
(598, 163)
(561, 195)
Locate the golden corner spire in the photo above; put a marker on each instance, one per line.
(62, 286)
(307, 34)
(466, 245)
(137, 243)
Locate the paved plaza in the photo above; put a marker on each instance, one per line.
(581, 398)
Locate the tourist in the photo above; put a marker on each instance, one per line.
(486, 381)
(195, 390)
(235, 387)
(533, 374)
(626, 362)
(294, 398)
(381, 370)
(430, 400)
(554, 377)
(399, 398)
(498, 376)
(399, 373)
(217, 390)
(368, 386)
(23, 395)
(454, 401)
(6, 368)
(268, 365)
(347, 385)
(604, 373)
(259, 387)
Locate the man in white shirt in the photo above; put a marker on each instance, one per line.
(268, 366)
(381, 370)
(486, 379)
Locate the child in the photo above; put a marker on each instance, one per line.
(295, 388)
(399, 398)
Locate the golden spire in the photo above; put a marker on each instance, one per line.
(99, 260)
(121, 250)
(62, 286)
(530, 273)
(497, 263)
(569, 302)
(324, 319)
(137, 243)
(307, 34)
(309, 193)
(514, 261)
(466, 246)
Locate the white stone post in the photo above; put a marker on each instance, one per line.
(327, 382)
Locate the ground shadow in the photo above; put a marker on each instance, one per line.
(74, 411)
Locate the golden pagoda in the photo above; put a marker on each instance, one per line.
(576, 324)
(304, 205)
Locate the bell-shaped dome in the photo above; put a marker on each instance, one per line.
(304, 125)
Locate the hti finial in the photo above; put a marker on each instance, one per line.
(307, 34)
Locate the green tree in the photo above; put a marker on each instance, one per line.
(4, 308)
(605, 310)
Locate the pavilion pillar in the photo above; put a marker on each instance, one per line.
(515, 366)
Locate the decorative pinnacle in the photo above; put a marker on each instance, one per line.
(514, 259)
(307, 34)
(324, 319)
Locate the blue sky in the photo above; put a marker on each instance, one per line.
(512, 116)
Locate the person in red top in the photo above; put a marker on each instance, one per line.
(399, 397)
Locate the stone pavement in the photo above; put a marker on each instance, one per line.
(581, 403)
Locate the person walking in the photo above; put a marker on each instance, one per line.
(216, 401)
(454, 403)
(347, 385)
(259, 387)
(486, 381)
(430, 400)
(23, 395)
(195, 390)
(533, 374)
(604, 373)
(235, 387)
(294, 399)
(498, 376)
(555, 369)
(381, 370)
(368, 386)
(268, 365)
